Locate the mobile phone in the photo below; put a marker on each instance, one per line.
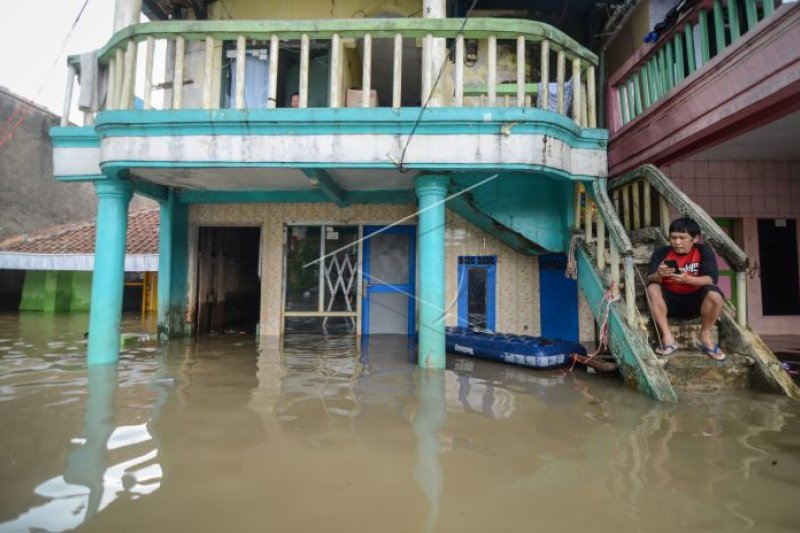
(671, 263)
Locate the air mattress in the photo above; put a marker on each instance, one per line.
(524, 350)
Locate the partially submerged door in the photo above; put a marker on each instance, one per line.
(389, 277)
(228, 279)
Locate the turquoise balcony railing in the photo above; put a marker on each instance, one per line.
(206, 65)
(694, 40)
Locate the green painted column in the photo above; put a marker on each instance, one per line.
(431, 192)
(105, 312)
(165, 264)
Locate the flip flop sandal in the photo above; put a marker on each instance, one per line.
(666, 350)
(714, 353)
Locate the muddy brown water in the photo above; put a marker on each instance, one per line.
(230, 434)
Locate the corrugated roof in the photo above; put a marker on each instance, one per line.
(79, 237)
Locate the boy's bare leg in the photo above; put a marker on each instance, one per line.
(659, 309)
(709, 313)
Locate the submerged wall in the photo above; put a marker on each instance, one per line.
(50, 290)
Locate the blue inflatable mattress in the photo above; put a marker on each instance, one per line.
(524, 350)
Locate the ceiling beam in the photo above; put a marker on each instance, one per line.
(327, 185)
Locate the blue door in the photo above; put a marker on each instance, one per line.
(388, 305)
(558, 297)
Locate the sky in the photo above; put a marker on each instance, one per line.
(32, 33)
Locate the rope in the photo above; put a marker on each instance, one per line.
(607, 299)
(572, 263)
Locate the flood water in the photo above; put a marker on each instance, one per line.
(227, 434)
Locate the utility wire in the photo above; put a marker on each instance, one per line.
(19, 115)
(401, 162)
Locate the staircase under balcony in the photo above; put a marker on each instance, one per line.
(620, 226)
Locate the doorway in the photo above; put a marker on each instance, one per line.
(777, 250)
(476, 291)
(228, 279)
(389, 279)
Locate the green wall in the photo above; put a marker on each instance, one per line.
(51, 290)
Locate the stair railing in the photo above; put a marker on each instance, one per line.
(595, 215)
(646, 191)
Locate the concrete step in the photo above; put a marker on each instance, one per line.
(694, 370)
(685, 330)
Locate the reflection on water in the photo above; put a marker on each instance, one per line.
(326, 434)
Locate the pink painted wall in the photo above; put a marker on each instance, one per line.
(746, 190)
(740, 189)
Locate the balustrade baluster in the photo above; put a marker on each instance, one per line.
(241, 62)
(705, 47)
(459, 71)
(591, 97)
(305, 46)
(112, 84)
(688, 37)
(626, 210)
(129, 76)
(148, 73)
(68, 96)
(543, 95)
(492, 74)
(577, 208)
(637, 219)
(719, 26)
(752, 13)
(334, 91)
(177, 81)
(769, 8)
(120, 77)
(733, 21)
(366, 71)
(587, 218)
(520, 71)
(601, 242)
(397, 74)
(680, 72)
(664, 214)
(208, 69)
(645, 86)
(614, 259)
(560, 68)
(272, 96)
(427, 53)
(576, 90)
(647, 209)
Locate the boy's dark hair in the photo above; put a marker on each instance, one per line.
(685, 225)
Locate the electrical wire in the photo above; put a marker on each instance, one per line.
(401, 162)
(21, 112)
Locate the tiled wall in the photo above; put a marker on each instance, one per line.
(747, 190)
(743, 189)
(517, 274)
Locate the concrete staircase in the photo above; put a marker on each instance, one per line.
(691, 369)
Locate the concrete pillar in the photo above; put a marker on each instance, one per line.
(165, 263)
(436, 9)
(105, 312)
(126, 13)
(431, 191)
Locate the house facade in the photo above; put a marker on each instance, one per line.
(397, 168)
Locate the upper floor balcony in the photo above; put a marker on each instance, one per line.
(168, 100)
(722, 68)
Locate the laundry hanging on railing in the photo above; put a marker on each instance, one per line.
(669, 19)
(552, 96)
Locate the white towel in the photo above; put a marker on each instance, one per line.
(94, 83)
